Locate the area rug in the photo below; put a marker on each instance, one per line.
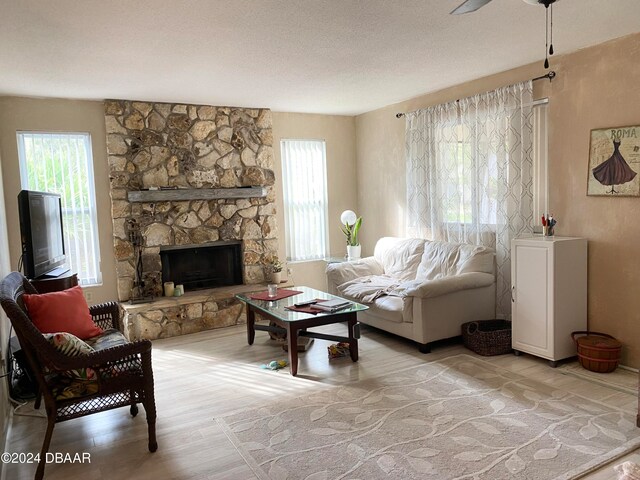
(456, 418)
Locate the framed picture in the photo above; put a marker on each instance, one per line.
(614, 162)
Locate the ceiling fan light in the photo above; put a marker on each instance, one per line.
(546, 3)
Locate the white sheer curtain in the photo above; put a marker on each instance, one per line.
(470, 175)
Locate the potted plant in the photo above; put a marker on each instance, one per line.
(350, 226)
(274, 269)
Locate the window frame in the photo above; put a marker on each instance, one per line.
(540, 159)
(90, 209)
(289, 231)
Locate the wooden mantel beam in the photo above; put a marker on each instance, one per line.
(195, 194)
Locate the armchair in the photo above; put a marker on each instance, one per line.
(123, 372)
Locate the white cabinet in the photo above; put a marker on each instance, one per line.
(548, 294)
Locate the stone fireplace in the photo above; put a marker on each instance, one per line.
(190, 176)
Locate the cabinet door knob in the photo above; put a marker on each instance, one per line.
(513, 290)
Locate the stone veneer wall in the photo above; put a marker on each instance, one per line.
(189, 146)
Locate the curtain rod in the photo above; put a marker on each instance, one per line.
(550, 75)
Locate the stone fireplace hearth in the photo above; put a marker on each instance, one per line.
(190, 175)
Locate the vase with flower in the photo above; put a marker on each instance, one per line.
(351, 224)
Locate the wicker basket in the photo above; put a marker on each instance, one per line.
(597, 352)
(487, 337)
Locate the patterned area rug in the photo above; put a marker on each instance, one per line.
(456, 418)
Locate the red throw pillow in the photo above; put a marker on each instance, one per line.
(65, 311)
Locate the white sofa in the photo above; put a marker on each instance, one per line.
(419, 289)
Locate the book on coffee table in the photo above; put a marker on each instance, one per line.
(332, 305)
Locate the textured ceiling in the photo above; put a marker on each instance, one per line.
(318, 56)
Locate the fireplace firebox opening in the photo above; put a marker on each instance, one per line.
(209, 265)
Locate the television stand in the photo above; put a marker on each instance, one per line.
(56, 284)
(55, 273)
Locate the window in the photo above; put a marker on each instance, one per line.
(472, 187)
(468, 174)
(62, 163)
(304, 177)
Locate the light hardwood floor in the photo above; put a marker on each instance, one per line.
(210, 374)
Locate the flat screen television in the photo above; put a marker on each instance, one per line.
(42, 234)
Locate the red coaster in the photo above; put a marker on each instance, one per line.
(282, 293)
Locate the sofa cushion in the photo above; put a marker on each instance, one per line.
(474, 258)
(389, 308)
(444, 259)
(399, 257)
(108, 339)
(446, 285)
(339, 273)
(440, 259)
(112, 338)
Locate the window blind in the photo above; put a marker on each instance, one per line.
(305, 198)
(63, 163)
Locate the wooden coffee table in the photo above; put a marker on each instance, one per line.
(296, 324)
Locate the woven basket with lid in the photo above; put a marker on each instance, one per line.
(597, 352)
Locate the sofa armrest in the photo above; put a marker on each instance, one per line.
(339, 273)
(454, 283)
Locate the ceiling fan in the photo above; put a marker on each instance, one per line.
(469, 6)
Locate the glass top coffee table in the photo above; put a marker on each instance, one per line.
(295, 324)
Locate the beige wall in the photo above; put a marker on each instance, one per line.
(4, 321)
(339, 134)
(599, 87)
(596, 87)
(58, 115)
